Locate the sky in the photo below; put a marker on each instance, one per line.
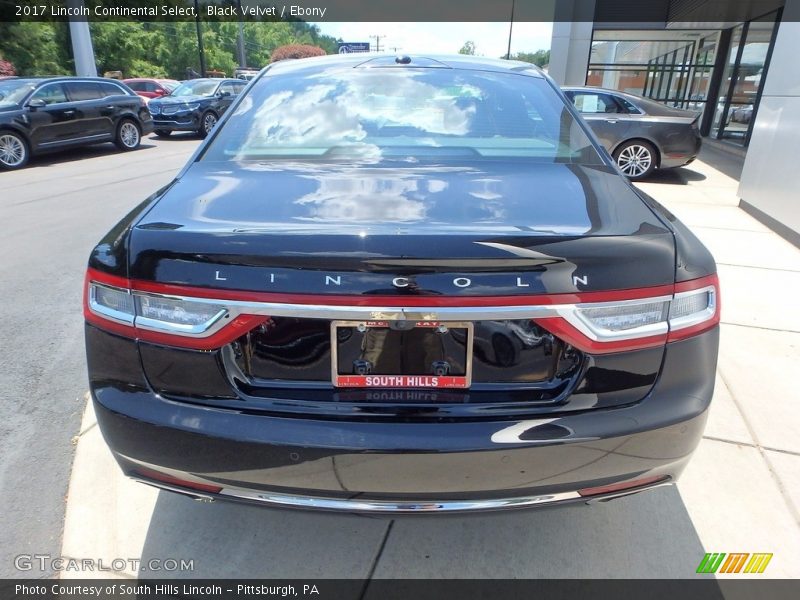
(491, 39)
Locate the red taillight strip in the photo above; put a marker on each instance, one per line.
(169, 479)
(625, 485)
(231, 331)
(696, 284)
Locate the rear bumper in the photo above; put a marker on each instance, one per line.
(407, 467)
(147, 126)
(679, 157)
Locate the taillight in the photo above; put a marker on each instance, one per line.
(617, 326)
(113, 304)
(695, 307)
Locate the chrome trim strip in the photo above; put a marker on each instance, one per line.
(78, 139)
(230, 309)
(396, 506)
(436, 313)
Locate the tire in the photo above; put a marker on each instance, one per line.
(163, 132)
(636, 159)
(129, 135)
(207, 122)
(14, 150)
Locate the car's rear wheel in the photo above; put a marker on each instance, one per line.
(636, 159)
(14, 151)
(163, 132)
(128, 135)
(207, 123)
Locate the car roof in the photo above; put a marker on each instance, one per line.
(648, 105)
(594, 88)
(46, 79)
(148, 79)
(217, 79)
(356, 59)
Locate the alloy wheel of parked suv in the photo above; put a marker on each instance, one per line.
(128, 136)
(635, 159)
(13, 151)
(209, 120)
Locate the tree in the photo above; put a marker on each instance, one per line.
(540, 58)
(36, 48)
(296, 51)
(154, 49)
(468, 48)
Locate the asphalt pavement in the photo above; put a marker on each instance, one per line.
(52, 214)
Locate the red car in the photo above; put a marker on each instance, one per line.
(151, 88)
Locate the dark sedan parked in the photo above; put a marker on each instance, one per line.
(641, 134)
(194, 105)
(401, 285)
(39, 115)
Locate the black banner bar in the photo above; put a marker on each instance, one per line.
(702, 588)
(642, 12)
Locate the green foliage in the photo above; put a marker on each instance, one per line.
(540, 58)
(468, 48)
(37, 48)
(153, 49)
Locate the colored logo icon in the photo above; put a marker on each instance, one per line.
(741, 562)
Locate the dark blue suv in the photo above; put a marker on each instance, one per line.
(195, 105)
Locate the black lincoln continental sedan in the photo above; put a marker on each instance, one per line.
(194, 105)
(401, 285)
(55, 113)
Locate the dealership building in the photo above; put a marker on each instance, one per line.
(737, 62)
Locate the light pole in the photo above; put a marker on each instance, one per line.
(81, 37)
(377, 39)
(242, 58)
(200, 39)
(510, 27)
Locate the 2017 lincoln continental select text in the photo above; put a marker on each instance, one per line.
(401, 285)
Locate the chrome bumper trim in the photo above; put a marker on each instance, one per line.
(389, 507)
(395, 506)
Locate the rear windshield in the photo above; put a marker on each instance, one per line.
(14, 90)
(197, 87)
(402, 113)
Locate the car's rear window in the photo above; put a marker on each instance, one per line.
(198, 87)
(402, 113)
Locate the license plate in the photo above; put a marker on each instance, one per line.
(401, 354)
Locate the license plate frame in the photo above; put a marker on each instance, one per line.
(425, 382)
